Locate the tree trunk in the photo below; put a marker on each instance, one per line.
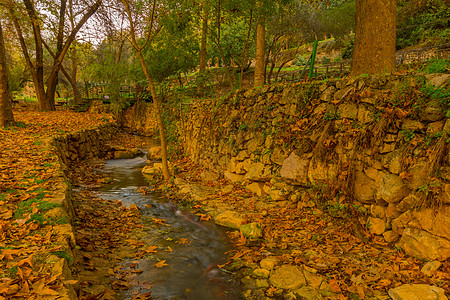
(6, 115)
(260, 61)
(157, 106)
(133, 41)
(244, 51)
(374, 37)
(77, 96)
(52, 80)
(203, 41)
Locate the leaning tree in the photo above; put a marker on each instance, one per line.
(49, 17)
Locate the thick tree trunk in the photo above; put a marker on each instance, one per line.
(6, 115)
(374, 37)
(260, 57)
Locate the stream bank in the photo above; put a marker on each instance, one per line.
(360, 162)
(135, 242)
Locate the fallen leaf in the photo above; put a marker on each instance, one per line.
(161, 264)
(151, 249)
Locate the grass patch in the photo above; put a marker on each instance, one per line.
(26, 206)
(62, 254)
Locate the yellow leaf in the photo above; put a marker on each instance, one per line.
(25, 261)
(161, 264)
(169, 249)
(48, 291)
(151, 249)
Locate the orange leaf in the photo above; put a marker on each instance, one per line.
(160, 221)
(334, 286)
(151, 249)
(169, 249)
(25, 261)
(183, 241)
(161, 264)
(360, 291)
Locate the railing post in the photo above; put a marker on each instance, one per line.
(313, 58)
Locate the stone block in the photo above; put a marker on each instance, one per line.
(417, 291)
(288, 277)
(423, 245)
(295, 169)
(393, 189)
(229, 219)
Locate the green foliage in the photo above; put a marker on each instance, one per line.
(325, 60)
(436, 93)
(26, 206)
(347, 49)
(12, 272)
(233, 37)
(243, 127)
(437, 66)
(300, 61)
(408, 135)
(175, 50)
(62, 254)
(422, 22)
(339, 18)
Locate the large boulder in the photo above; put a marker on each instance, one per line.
(393, 161)
(417, 292)
(154, 153)
(392, 188)
(418, 175)
(229, 219)
(288, 277)
(423, 245)
(436, 222)
(348, 111)
(258, 172)
(208, 176)
(364, 188)
(438, 79)
(233, 177)
(295, 169)
(251, 230)
(256, 188)
(376, 225)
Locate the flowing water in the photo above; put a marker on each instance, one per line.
(198, 247)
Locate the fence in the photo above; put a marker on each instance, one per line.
(403, 57)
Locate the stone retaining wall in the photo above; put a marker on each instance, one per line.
(366, 141)
(71, 147)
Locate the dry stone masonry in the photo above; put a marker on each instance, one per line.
(368, 140)
(72, 147)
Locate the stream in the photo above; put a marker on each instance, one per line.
(192, 249)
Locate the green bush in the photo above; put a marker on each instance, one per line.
(326, 60)
(437, 66)
(422, 22)
(300, 61)
(347, 50)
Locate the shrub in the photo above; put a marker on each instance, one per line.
(300, 61)
(437, 66)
